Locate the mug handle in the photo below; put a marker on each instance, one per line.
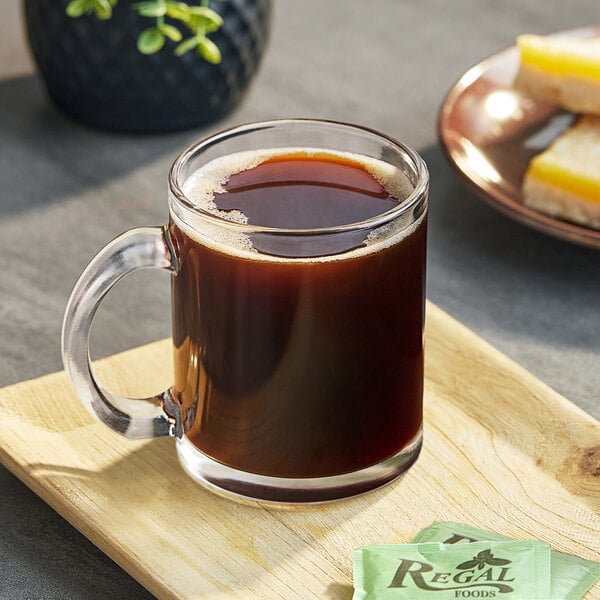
(135, 418)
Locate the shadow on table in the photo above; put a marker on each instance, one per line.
(164, 522)
(339, 591)
(517, 279)
(36, 535)
(45, 156)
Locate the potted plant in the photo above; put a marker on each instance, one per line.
(150, 66)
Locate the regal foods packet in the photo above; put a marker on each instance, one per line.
(491, 569)
(570, 576)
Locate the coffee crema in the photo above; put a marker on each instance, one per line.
(209, 186)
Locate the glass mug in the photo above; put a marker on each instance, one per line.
(298, 347)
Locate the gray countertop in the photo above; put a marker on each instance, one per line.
(387, 64)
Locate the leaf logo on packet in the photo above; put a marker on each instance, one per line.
(512, 569)
(485, 557)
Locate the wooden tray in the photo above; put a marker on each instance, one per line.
(502, 451)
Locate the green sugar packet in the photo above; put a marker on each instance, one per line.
(570, 576)
(508, 569)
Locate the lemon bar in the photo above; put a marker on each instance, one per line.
(563, 70)
(564, 180)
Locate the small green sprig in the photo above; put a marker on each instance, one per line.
(199, 19)
(102, 8)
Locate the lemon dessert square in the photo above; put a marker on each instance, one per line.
(564, 180)
(562, 70)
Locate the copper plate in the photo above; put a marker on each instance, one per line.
(490, 132)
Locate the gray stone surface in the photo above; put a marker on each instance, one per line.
(66, 190)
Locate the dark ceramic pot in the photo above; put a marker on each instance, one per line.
(94, 73)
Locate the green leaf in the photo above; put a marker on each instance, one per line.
(210, 26)
(186, 46)
(193, 22)
(103, 9)
(179, 11)
(209, 50)
(208, 14)
(151, 9)
(76, 8)
(150, 41)
(202, 23)
(171, 32)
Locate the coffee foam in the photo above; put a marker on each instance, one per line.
(201, 187)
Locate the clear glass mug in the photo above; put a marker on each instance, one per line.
(298, 352)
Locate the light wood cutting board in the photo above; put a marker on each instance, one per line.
(502, 452)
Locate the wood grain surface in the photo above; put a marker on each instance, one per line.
(502, 451)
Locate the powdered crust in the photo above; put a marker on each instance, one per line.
(572, 92)
(200, 189)
(560, 203)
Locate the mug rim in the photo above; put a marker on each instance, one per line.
(418, 193)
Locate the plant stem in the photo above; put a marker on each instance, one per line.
(201, 30)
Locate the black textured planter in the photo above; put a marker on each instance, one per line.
(94, 73)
